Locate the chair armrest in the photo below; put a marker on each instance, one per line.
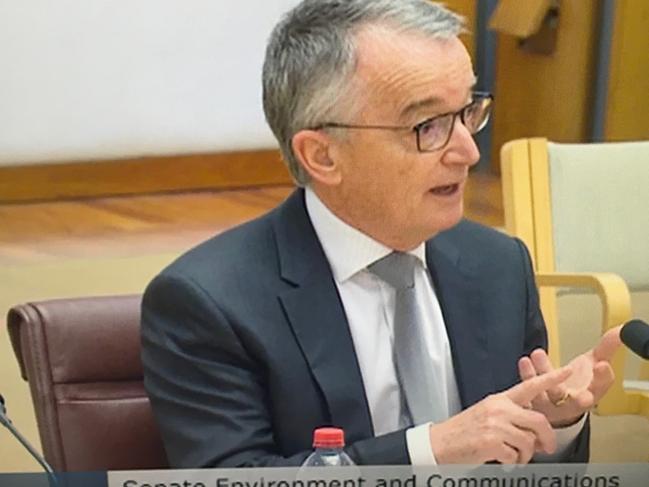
(611, 289)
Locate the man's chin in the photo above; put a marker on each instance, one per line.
(434, 228)
(448, 221)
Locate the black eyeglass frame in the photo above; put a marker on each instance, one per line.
(477, 96)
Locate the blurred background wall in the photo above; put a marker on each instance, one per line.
(105, 79)
(138, 82)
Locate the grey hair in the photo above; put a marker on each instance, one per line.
(310, 59)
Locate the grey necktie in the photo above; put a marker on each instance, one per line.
(412, 359)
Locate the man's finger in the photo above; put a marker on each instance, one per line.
(521, 440)
(526, 371)
(525, 368)
(583, 400)
(607, 345)
(523, 393)
(506, 455)
(603, 377)
(542, 364)
(537, 424)
(541, 361)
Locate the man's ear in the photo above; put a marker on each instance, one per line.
(313, 149)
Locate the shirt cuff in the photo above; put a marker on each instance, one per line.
(565, 438)
(418, 444)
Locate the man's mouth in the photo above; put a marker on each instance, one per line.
(446, 190)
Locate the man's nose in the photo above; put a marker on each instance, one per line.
(461, 148)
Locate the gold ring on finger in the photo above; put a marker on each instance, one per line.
(563, 400)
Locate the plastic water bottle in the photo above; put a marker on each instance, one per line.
(328, 444)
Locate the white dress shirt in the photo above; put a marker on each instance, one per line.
(369, 305)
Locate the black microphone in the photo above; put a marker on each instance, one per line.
(6, 422)
(635, 335)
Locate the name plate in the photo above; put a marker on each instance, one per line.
(547, 475)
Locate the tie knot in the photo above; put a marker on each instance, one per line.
(397, 269)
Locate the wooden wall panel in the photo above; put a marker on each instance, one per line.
(467, 8)
(547, 95)
(142, 175)
(627, 111)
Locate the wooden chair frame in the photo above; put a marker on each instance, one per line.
(528, 216)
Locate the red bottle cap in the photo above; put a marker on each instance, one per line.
(328, 438)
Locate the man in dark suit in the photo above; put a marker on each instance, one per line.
(286, 323)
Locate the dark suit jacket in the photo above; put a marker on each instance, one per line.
(246, 347)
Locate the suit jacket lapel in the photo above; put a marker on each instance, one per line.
(459, 292)
(316, 315)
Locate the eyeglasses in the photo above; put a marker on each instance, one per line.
(435, 132)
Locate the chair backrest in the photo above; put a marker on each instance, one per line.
(81, 358)
(586, 205)
(580, 208)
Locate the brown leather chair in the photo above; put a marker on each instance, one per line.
(82, 360)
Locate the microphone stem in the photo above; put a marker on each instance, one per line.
(50, 473)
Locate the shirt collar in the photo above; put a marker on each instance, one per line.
(348, 250)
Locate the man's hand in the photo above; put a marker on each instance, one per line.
(500, 427)
(563, 404)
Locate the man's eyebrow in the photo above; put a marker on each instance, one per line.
(430, 101)
(417, 105)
